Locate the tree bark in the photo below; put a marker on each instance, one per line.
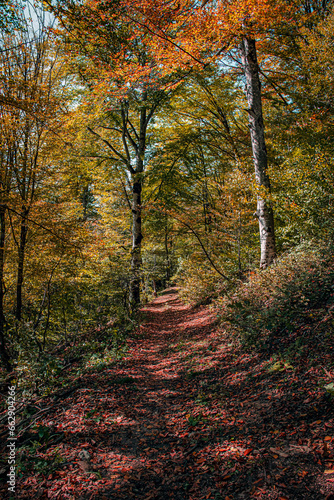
(3, 350)
(168, 267)
(20, 267)
(264, 211)
(137, 236)
(136, 260)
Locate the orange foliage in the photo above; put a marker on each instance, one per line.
(143, 41)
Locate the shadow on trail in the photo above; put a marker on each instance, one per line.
(185, 417)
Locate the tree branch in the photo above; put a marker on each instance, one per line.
(117, 153)
(203, 247)
(45, 229)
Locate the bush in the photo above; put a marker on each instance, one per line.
(276, 301)
(198, 282)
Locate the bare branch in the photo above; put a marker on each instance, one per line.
(117, 153)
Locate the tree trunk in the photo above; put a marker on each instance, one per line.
(168, 267)
(264, 210)
(137, 237)
(3, 350)
(20, 267)
(137, 185)
(154, 285)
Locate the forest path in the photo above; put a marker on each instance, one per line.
(186, 415)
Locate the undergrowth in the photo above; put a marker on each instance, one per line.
(296, 291)
(199, 283)
(41, 373)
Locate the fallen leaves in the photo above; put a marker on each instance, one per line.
(186, 430)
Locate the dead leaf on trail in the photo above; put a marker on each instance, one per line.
(299, 449)
(225, 478)
(279, 452)
(144, 447)
(83, 465)
(84, 455)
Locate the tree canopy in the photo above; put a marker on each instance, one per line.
(130, 133)
(148, 145)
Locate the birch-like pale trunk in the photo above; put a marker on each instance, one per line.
(264, 211)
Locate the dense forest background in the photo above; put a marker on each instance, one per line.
(166, 249)
(129, 135)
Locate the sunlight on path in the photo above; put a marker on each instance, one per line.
(184, 416)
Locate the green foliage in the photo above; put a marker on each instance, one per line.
(88, 318)
(198, 281)
(193, 421)
(330, 388)
(198, 199)
(33, 460)
(276, 301)
(304, 197)
(43, 433)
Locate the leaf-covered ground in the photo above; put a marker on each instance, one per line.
(187, 415)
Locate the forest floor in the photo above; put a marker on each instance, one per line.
(186, 415)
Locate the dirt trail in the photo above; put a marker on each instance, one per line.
(186, 417)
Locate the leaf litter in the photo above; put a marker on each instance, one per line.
(187, 415)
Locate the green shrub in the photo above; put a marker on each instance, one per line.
(199, 282)
(279, 299)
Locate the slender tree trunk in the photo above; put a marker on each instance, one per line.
(3, 350)
(137, 237)
(47, 319)
(20, 268)
(239, 248)
(168, 269)
(154, 288)
(264, 211)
